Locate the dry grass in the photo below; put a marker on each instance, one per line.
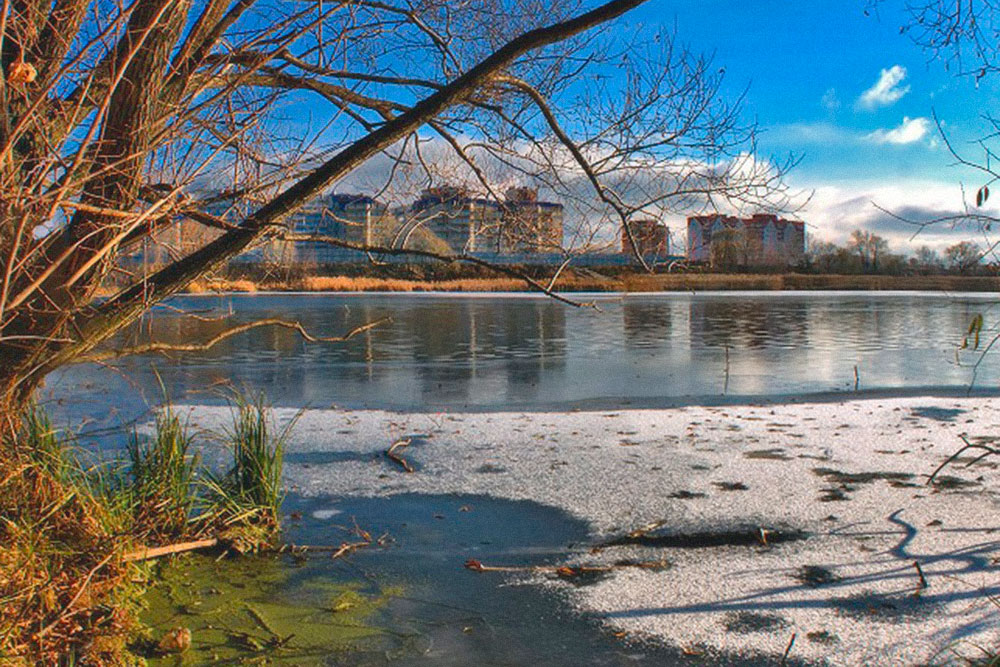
(221, 285)
(65, 590)
(68, 593)
(588, 281)
(568, 282)
(365, 284)
(800, 281)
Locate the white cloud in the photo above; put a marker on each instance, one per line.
(887, 89)
(894, 212)
(910, 131)
(830, 100)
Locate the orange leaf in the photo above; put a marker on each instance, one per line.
(21, 72)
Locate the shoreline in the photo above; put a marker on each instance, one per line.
(628, 283)
(839, 487)
(666, 403)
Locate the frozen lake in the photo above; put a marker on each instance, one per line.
(502, 352)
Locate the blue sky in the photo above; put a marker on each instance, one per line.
(850, 95)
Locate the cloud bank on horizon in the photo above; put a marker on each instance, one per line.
(860, 104)
(906, 215)
(864, 114)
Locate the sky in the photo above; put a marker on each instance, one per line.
(854, 100)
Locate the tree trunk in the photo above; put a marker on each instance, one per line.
(47, 337)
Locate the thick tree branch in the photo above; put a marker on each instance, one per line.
(117, 312)
(155, 347)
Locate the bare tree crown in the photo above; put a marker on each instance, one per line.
(116, 116)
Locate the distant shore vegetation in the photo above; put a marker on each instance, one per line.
(469, 279)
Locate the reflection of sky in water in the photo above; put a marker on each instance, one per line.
(452, 352)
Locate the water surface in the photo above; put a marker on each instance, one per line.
(502, 352)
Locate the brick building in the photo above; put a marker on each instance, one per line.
(651, 237)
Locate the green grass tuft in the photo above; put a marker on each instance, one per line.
(37, 436)
(249, 494)
(161, 472)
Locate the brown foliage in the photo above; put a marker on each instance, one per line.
(63, 585)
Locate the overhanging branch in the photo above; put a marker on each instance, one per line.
(150, 348)
(111, 316)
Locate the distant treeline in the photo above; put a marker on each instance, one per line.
(867, 253)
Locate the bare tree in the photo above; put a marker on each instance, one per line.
(965, 37)
(927, 259)
(729, 249)
(115, 116)
(961, 34)
(964, 256)
(870, 248)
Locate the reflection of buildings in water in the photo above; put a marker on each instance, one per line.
(279, 360)
(544, 338)
(484, 350)
(646, 325)
(454, 351)
(882, 335)
(745, 343)
(754, 323)
(857, 324)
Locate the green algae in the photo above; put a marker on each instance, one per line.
(263, 609)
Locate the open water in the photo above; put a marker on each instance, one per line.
(523, 352)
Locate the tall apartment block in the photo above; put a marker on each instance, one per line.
(357, 219)
(466, 223)
(761, 240)
(528, 225)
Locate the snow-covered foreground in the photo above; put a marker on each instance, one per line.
(778, 520)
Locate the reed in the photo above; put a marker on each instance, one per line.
(161, 472)
(366, 284)
(580, 280)
(243, 504)
(221, 285)
(68, 591)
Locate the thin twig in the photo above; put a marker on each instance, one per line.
(348, 547)
(788, 649)
(920, 573)
(67, 611)
(567, 570)
(953, 457)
